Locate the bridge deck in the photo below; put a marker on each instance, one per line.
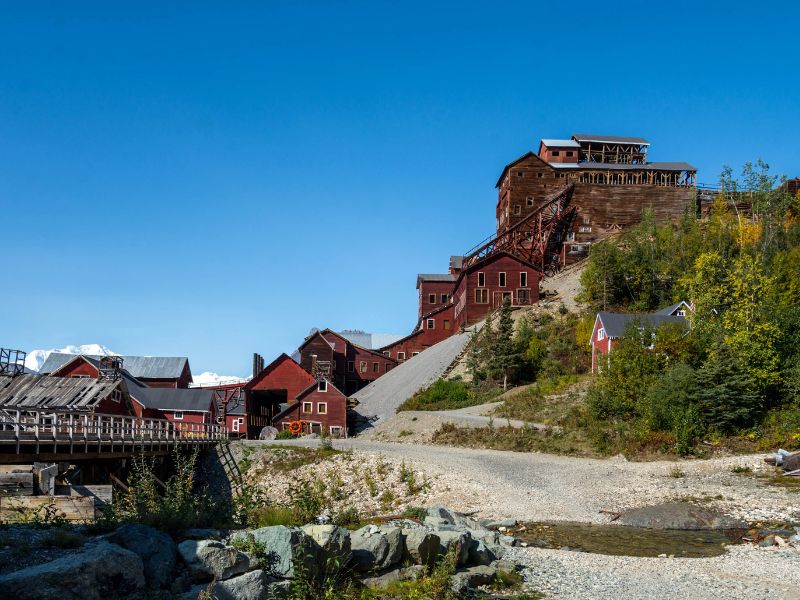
(72, 435)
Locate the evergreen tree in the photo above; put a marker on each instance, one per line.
(504, 359)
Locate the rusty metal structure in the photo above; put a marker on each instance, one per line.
(536, 238)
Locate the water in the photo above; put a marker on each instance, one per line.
(621, 540)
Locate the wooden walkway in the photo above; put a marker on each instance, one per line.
(27, 436)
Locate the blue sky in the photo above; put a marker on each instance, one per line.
(214, 179)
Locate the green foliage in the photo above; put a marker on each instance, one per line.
(442, 394)
(284, 434)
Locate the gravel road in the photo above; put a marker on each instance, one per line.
(541, 487)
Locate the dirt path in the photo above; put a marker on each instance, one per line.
(531, 486)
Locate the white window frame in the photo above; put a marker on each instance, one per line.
(387, 353)
(322, 385)
(430, 323)
(336, 430)
(310, 410)
(401, 356)
(481, 279)
(601, 334)
(502, 279)
(177, 415)
(570, 236)
(362, 367)
(322, 408)
(523, 279)
(431, 298)
(413, 354)
(443, 298)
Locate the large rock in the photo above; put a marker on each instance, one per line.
(255, 585)
(212, 559)
(679, 515)
(461, 582)
(376, 548)
(421, 546)
(381, 581)
(286, 549)
(101, 571)
(445, 516)
(486, 544)
(155, 548)
(460, 541)
(334, 542)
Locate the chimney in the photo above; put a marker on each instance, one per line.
(258, 364)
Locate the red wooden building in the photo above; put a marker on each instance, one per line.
(348, 366)
(153, 371)
(321, 408)
(609, 327)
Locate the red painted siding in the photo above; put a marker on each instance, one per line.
(334, 416)
(443, 327)
(437, 288)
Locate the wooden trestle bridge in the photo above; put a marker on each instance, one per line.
(48, 436)
(536, 238)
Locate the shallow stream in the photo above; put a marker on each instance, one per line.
(621, 540)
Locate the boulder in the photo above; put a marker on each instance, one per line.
(421, 546)
(494, 524)
(679, 515)
(381, 581)
(255, 585)
(155, 548)
(453, 539)
(461, 582)
(479, 553)
(491, 541)
(376, 548)
(212, 559)
(286, 548)
(334, 542)
(100, 571)
(451, 517)
(268, 433)
(435, 522)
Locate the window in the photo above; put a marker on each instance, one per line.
(413, 354)
(502, 280)
(178, 415)
(431, 298)
(584, 229)
(523, 297)
(569, 153)
(336, 430)
(387, 353)
(401, 356)
(444, 298)
(601, 334)
(351, 366)
(446, 324)
(570, 236)
(517, 210)
(576, 248)
(556, 153)
(481, 279)
(322, 385)
(322, 408)
(507, 295)
(308, 407)
(520, 174)
(481, 296)
(529, 201)
(431, 323)
(388, 367)
(523, 279)
(681, 313)
(376, 367)
(540, 175)
(362, 367)
(586, 220)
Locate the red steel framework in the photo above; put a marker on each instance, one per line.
(534, 238)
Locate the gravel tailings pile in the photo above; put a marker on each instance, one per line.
(380, 399)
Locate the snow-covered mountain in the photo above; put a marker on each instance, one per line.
(207, 378)
(35, 358)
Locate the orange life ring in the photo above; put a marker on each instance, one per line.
(295, 428)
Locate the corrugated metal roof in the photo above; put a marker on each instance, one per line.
(192, 399)
(651, 166)
(456, 262)
(610, 139)
(37, 391)
(436, 277)
(551, 143)
(141, 367)
(615, 324)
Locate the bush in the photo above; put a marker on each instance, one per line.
(284, 434)
(442, 394)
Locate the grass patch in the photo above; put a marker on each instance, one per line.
(289, 459)
(64, 538)
(448, 394)
(740, 470)
(535, 402)
(677, 473)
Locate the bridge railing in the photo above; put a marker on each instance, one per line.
(105, 432)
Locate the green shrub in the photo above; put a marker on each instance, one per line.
(442, 394)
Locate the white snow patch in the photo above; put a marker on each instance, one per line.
(207, 378)
(35, 358)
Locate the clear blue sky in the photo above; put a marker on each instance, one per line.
(209, 180)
